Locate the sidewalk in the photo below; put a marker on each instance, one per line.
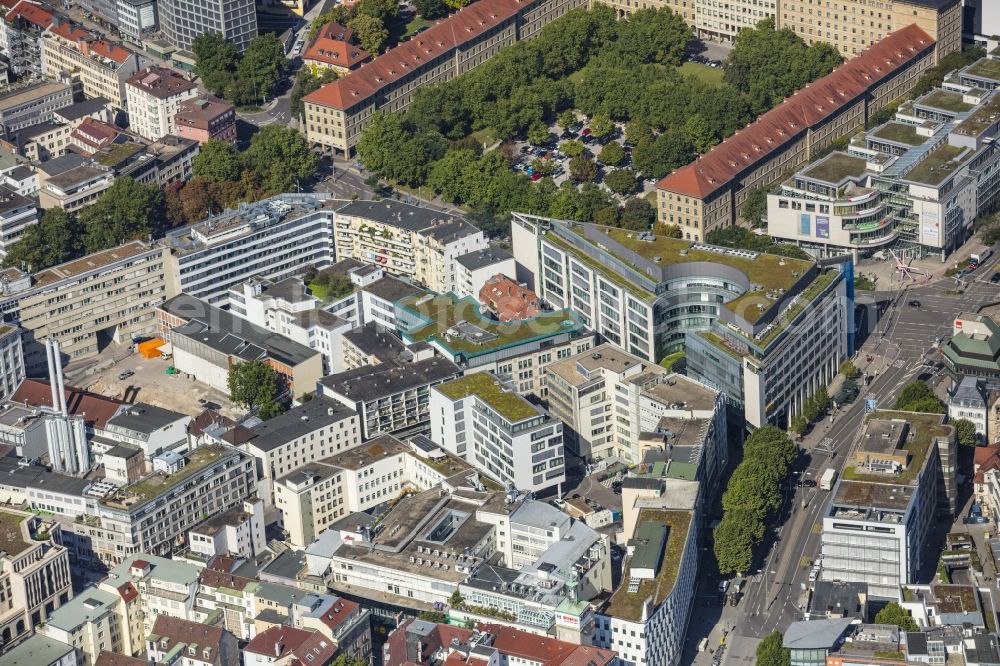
(931, 268)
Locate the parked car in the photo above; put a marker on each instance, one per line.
(996, 277)
(914, 304)
(125, 375)
(535, 177)
(813, 575)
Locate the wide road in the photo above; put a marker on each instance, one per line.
(905, 336)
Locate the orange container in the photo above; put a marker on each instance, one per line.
(150, 348)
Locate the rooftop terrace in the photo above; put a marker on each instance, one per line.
(946, 100)
(985, 68)
(628, 605)
(923, 429)
(939, 165)
(459, 325)
(985, 116)
(835, 167)
(899, 133)
(154, 485)
(12, 539)
(509, 405)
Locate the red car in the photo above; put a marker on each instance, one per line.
(585, 132)
(536, 177)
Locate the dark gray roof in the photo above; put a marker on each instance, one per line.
(11, 200)
(838, 598)
(20, 172)
(225, 332)
(32, 131)
(146, 419)
(290, 289)
(299, 421)
(476, 260)
(80, 174)
(352, 519)
(122, 451)
(439, 225)
(59, 483)
(62, 164)
(986, 650)
(288, 565)
(373, 339)
(82, 109)
(392, 289)
(916, 643)
(641, 483)
(375, 381)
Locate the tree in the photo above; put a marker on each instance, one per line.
(744, 239)
(456, 599)
(893, 613)
(269, 410)
(810, 411)
(216, 161)
(607, 217)
(918, 397)
(755, 207)
(573, 148)
(966, 432)
(770, 651)
(344, 660)
(215, 61)
(55, 239)
(125, 211)
(263, 65)
(383, 10)
(582, 169)
(308, 81)
(601, 127)
(436, 617)
(799, 424)
(566, 119)
(658, 158)
(370, 32)
(849, 370)
(621, 181)
(431, 9)
(733, 542)
(612, 154)
(252, 384)
(281, 157)
(341, 14)
(538, 133)
(638, 214)
(699, 133)
(637, 132)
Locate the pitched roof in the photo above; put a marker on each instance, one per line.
(543, 649)
(509, 300)
(280, 642)
(466, 24)
(31, 12)
(807, 107)
(333, 46)
(184, 632)
(161, 82)
(95, 409)
(114, 659)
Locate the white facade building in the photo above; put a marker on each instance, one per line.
(153, 96)
(237, 532)
(474, 269)
(498, 432)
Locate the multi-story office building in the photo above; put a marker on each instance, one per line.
(336, 113)
(312, 431)
(183, 20)
(473, 270)
(746, 319)
(11, 360)
(154, 514)
(136, 19)
(34, 103)
(414, 242)
(854, 25)
(614, 404)
(391, 397)
(517, 350)
(499, 432)
(102, 67)
(112, 292)
(709, 193)
(75, 188)
(35, 577)
(154, 96)
(314, 497)
(274, 238)
(915, 183)
(17, 213)
(899, 476)
(204, 118)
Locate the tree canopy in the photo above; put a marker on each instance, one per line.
(217, 161)
(894, 614)
(247, 79)
(966, 432)
(56, 238)
(752, 497)
(743, 238)
(125, 211)
(918, 397)
(280, 157)
(770, 651)
(253, 384)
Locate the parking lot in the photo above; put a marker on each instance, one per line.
(148, 383)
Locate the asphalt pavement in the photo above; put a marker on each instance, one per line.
(903, 338)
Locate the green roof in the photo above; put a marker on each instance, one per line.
(12, 539)
(116, 154)
(154, 485)
(923, 429)
(628, 605)
(985, 68)
(945, 100)
(900, 133)
(983, 118)
(938, 165)
(648, 543)
(486, 387)
(835, 167)
(976, 352)
(611, 276)
(441, 313)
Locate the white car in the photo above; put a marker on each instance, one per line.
(813, 575)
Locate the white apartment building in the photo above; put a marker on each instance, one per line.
(312, 431)
(35, 578)
(88, 622)
(472, 270)
(153, 97)
(746, 319)
(274, 238)
(969, 401)
(238, 532)
(149, 428)
(315, 496)
(406, 240)
(287, 307)
(899, 477)
(17, 212)
(498, 432)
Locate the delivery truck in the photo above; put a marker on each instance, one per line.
(829, 476)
